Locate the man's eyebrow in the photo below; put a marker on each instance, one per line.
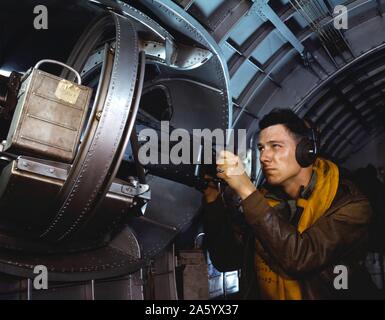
(270, 142)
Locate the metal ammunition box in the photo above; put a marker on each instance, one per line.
(49, 116)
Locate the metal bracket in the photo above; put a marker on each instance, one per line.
(137, 194)
(262, 8)
(136, 199)
(154, 50)
(138, 190)
(46, 168)
(162, 46)
(258, 8)
(181, 57)
(191, 57)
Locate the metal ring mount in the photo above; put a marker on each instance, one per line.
(82, 192)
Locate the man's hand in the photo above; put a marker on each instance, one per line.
(230, 169)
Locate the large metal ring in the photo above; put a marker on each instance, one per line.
(83, 191)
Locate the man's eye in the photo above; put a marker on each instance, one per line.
(276, 146)
(260, 149)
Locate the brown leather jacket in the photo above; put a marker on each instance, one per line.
(339, 237)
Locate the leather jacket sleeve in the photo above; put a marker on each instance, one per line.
(336, 234)
(224, 244)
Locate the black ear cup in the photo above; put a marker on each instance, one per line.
(305, 153)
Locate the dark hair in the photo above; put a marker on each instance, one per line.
(295, 125)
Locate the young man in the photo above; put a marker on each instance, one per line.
(306, 228)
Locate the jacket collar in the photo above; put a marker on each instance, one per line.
(278, 194)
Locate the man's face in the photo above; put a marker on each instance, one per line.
(277, 155)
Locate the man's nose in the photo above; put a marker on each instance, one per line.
(265, 156)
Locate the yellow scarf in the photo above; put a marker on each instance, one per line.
(271, 284)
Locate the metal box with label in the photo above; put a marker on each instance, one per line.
(49, 115)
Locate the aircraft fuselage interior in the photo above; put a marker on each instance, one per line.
(92, 90)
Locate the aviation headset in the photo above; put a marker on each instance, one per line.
(307, 148)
